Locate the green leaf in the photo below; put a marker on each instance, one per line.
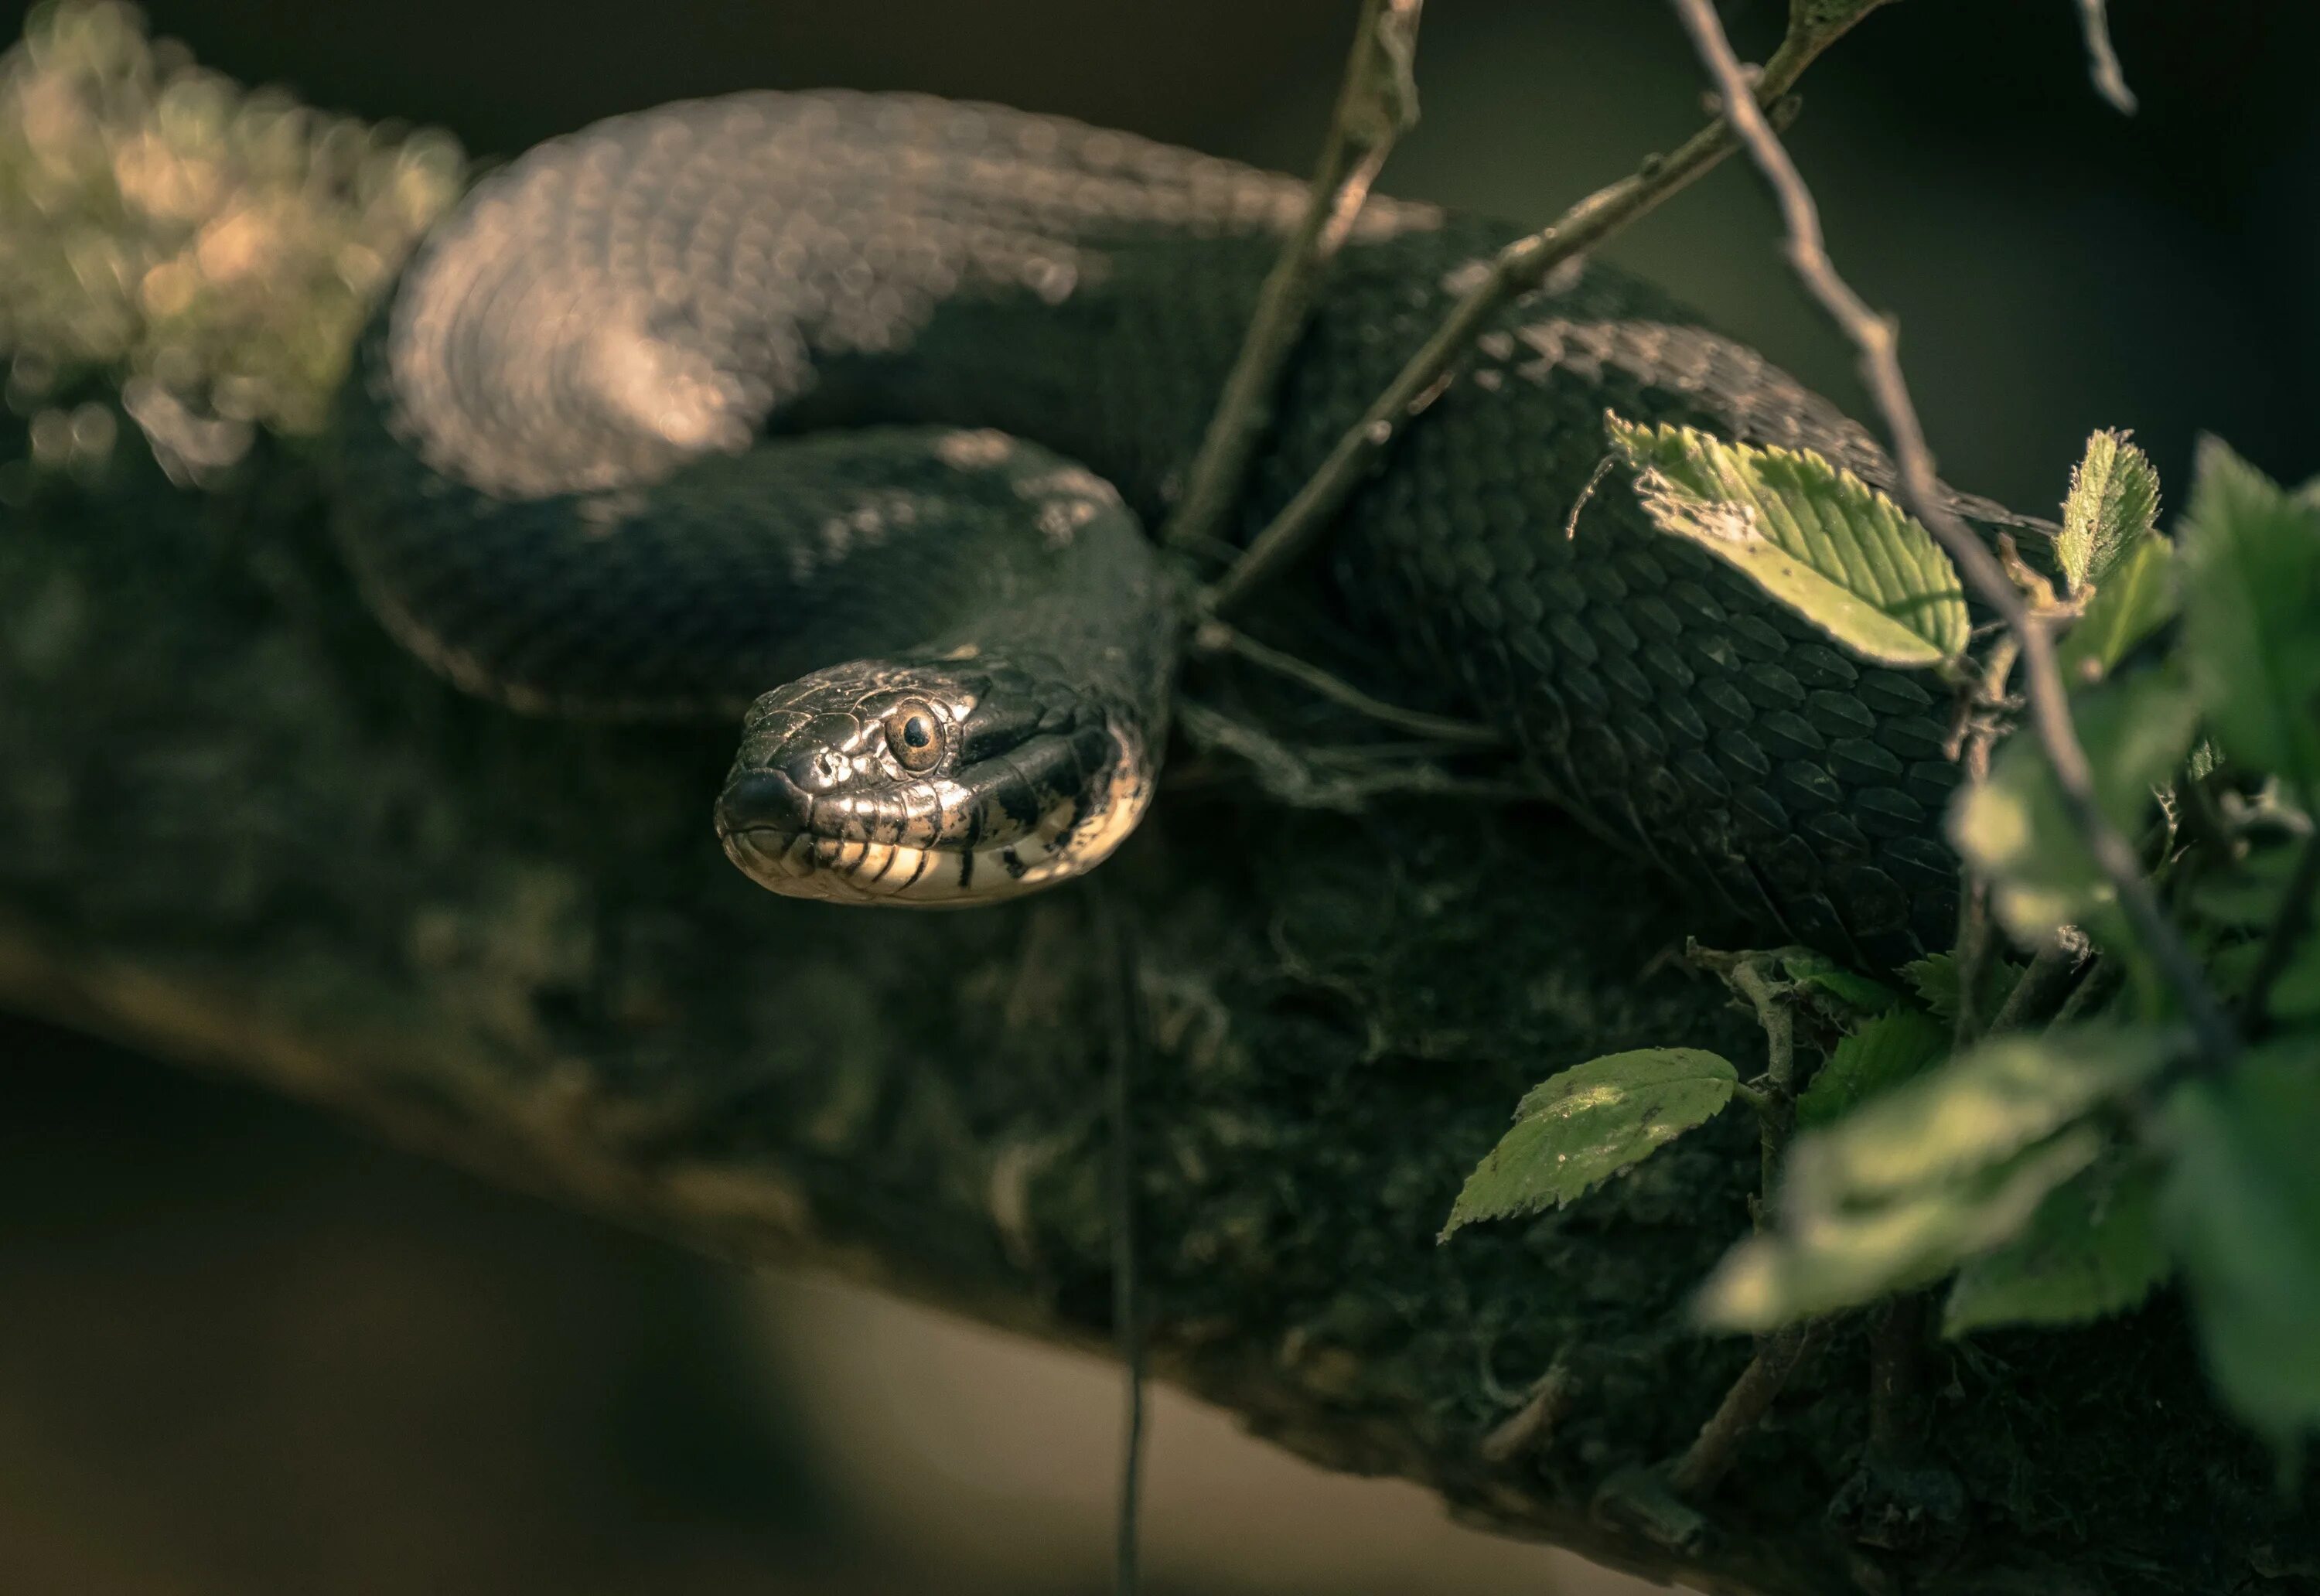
(1825, 1256)
(1818, 538)
(2244, 895)
(1982, 1106)
(2114, 500)
(2241, 1207)
(2250, 590)
(1850, 990)
(2016, 829)
(1934, 980)
(2092, 1248)
(1883, 1053)
(1587, 1124)
(2135, 598)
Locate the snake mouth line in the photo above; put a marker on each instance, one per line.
(1068, 838)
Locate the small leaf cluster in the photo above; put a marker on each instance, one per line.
(2054, 1150)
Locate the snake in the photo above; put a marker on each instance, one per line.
(848, 414)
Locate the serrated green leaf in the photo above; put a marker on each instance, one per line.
(1983, 1106)
(2114, 500)
(2135, 598)
(2092, 1248)
(2016, 829)
(1934, 979)
(1587, 1124)
(1886, 1051)
(1826, 1257)
(2251, 592)
(1817, 538)
(1849, 989)
(2241, 1207)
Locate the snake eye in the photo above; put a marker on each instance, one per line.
(914, 735)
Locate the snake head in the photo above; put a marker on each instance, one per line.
(922, 783)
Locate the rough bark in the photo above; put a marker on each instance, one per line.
(237, 827)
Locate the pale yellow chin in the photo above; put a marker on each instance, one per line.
(835, 871)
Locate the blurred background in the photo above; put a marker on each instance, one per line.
(245, 1351)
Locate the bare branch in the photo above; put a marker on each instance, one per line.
(1518, 269)
(1877, 339)
(2102, 60)
(1377, 103)
(1218, 637)
(1711, 1453)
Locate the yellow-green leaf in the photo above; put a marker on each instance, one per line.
(2241, 1207)
(1886, 1051)
(2092, 1248)
(2114, 502)
(2016, 829)
(2251, 592)
(1587, 1124)
(2133, 599)
(1825, 1256)
(1982, 1107)
(1815, 537)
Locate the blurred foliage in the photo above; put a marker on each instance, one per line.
(2061, 1169)
(212, 250)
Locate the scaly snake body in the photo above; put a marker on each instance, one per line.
(853, 402)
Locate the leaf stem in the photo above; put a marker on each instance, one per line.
(1877, 340)
(1376, 104)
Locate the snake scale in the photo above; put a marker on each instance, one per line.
(846, 412)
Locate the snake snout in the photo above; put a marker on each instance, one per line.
(763, 799)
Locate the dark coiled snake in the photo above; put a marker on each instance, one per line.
(844, 413)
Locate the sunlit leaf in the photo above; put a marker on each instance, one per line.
(2016, 829)
(2092, 1248)
(2114, 500)
(1886, 1051)
(2251, 592)
(1934, 979)
(2241, 1207)
(1825, 1256)
(1587, 1124)
(1982, 1107)
(2136, 596)
(1818, 538)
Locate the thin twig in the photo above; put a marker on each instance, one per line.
(1376, 104)
(1897, 1381)
(2102, 60)
(1532, 1425)
(1516, 269)
(2040, 987)
(1876, 339)
(1126, 1042)
(1710, 1456)
(2288, 928)
(1776, 1106)
(1217, 637)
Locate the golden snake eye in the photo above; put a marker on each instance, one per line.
(914, 735)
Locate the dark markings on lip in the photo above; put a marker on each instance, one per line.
(1015, 865)
(918, 870)
(966, 870)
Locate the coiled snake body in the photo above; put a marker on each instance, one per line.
(843, 410)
